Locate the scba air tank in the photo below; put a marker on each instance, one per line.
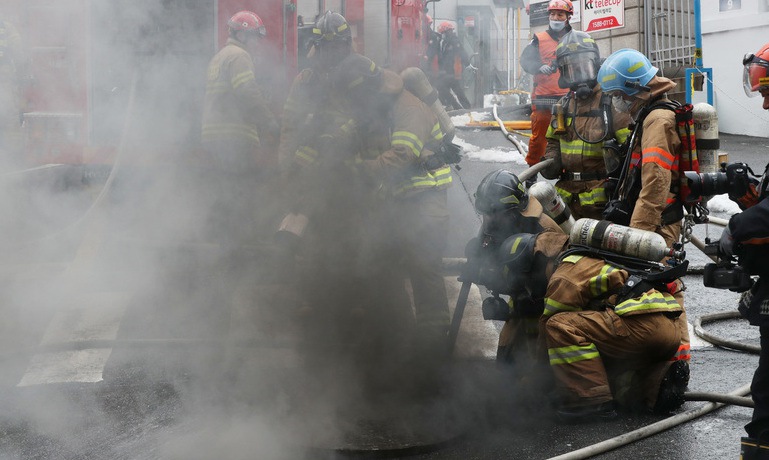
(553, 204)
(633, 242)
(415, 81)
(706, 134)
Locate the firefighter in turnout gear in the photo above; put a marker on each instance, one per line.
(650, 195)
(583, 120)
(538, 59)
(10, 95)
(746, 236)
(507, 209)
(399, 136)
(235, 117)
(308, 99)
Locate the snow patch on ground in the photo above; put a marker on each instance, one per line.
(722, 204)
(495, 155)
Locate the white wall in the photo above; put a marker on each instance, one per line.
(726, 38)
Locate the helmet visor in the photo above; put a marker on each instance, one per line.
(579, 68)
(755, 75)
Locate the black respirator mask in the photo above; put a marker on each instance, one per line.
(579, 74)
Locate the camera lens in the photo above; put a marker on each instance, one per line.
(707, 184)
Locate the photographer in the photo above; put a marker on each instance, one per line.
(747, 237)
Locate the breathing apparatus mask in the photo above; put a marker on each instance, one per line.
(578, 60)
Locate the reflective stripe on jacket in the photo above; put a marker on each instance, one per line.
(234, 106)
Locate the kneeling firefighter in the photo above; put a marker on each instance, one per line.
(582, 121)
(608, 319)
(506, 208)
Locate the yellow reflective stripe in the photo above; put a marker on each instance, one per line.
(593, 197)
(305, 155)
(578, 147)
(599, 284)
(622, 134)
(553, 306)
(572, 258)
(409, 140)
(217, 87)
(654, 300)
(212, 130)
(437, 178)
(436, 133)
(566, 196)
(572, 354)
(242, 78)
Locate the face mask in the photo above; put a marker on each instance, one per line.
(620, 104)
(557, 25)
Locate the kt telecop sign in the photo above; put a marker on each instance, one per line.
(600, 15)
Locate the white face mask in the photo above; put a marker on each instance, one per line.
(557, 25)
(620, 104)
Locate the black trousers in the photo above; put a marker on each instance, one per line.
(759, 388)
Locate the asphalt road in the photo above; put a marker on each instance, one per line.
(117, 342)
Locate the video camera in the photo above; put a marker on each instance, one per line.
(726, 273)
(733, 179)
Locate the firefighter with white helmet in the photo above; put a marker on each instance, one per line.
(746, 237)
(583, 120)
(538, 59)
(236, 117)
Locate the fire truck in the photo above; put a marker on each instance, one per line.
(110, 75)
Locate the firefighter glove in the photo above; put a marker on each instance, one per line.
(546, 69)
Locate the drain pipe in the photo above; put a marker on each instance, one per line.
(649, 430)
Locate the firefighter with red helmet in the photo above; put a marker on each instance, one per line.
(235, 118)
(10, 94)
(746, 237)
(538, 59)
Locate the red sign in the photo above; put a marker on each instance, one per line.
(609, 22)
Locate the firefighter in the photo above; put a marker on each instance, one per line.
(583, 121)
(399, 136)
(235, 116)
(507, 209)
(746, 236)
(309, 93)
(596, 333)
(538, 59)
(452, 58)
(651, 193)
(10, 94)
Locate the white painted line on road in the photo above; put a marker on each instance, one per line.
(95, 317)
(477, 337)
(695, 341)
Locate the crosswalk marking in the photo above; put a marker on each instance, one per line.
(96, 317)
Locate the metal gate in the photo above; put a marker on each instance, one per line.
(671, 33)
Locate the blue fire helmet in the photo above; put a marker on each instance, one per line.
(626, 70)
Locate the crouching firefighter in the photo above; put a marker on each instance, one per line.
(582, 121)
(507, 209)
(608, 320)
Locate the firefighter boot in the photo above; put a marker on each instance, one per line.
(672, 388)
(753, 449)
(585, 414)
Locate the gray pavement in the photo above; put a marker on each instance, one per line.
(101, 360)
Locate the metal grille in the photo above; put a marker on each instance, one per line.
(670, 42)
